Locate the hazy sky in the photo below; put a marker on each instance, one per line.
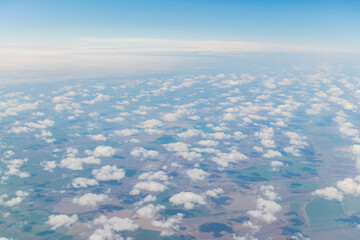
(59, 35)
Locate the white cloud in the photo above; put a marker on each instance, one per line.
(149, 211)
(265, 210)
(90, 199)
(214, 192)
(62, 220)
(266, 136)
(147, 186)
(349, 186)
(271, 154)
(151, 123)
(98, 137)
(110, 227)
(171, 224)
(196, 174)
(84, 182)
(159, 175)
(102, 151)
(329, 193)
(107, 173)
(75, 163)
(143, 153)
(126, 132)
(114, 120)
(99, 98)
(208, 143)
(224, 159)
(188, 199)
(190, 133)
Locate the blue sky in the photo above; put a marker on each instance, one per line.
(316, 23)
(66, 39)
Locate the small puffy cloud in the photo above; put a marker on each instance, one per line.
(149, 210)
(219, 135)
(292, 150)
(190, 133)
(102, 151)
(177, 147)
(84, 182)
(208, 143)
(114, 120)
(350, 186)
(75, 163)
(13, 169)
(90, 199)
(276, 164)
(10, 202)
(20, 129)
(188, 199)
(224, 159)
(296, 139)
(196, 174)
(98, 137)
(110, 227)
(265, 210)
(62, 220)
(214, 192)
(126, 132)
(147, 186)
(159, 175)
(268, 192)
(258, 149)
(266, 136)
(143, 153)
(329, 193)
(182, 149)
(170, 224)
(107, 173)
(99, 98)
(271, 154)
(151, 123)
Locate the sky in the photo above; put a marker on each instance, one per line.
(37, 33)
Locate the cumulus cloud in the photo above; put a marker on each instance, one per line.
(98, 137)
(99, 98)
(107, 173)
(214, 192)
(151, 123)
(224, 159)
(149, 211)
(84, 182)
(147, 186)
(271, 154)
(159, 175)
(143, 153)
(110, 227)
(266, 136)
(190, 133)
(182, 149)
(11, 202)
(75, 163)
(196, 174)
(208, 143)
(126, 132)
(188, 199)
(329, 193)
(90, 199)
(265, 210)
(171, 224)
(57, 221)
(102, 151)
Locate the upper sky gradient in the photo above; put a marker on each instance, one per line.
(48, 39)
